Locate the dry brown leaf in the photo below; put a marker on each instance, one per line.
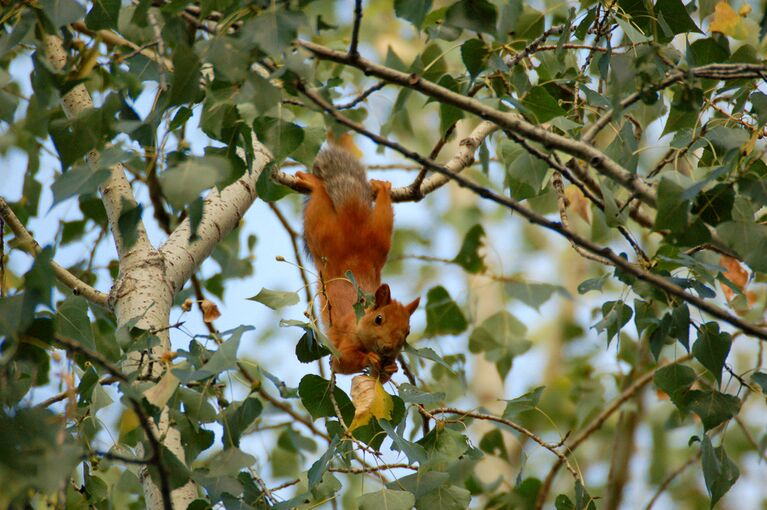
(578, 202)
(187, 304)
(738, 275)
(370, 401)
(209, 311)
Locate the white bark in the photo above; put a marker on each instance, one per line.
(222, 211)
(149, 278)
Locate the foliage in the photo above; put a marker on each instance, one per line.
(652, 113)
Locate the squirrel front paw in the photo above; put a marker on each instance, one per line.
(306, 181)
(380, 186)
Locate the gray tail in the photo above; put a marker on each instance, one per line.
(344, 176)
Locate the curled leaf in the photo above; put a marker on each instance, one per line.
(370, 401)
(187, 304)
(209, 311)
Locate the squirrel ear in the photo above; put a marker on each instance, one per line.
(383, 296)
(411, 307)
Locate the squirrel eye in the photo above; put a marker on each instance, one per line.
(379, 319)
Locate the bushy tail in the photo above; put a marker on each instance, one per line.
(345, 177)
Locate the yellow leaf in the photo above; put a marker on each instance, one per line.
(578, 202)
(159, 394)
(128, 423)
(370, 401)
(725, 19)
(345, 141)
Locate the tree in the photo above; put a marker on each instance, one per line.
(616, 148)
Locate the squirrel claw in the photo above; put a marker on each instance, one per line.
(380, 186)
(307, 181)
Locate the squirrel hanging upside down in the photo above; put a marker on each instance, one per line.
(345, 231)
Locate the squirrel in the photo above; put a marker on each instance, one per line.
(344, 231)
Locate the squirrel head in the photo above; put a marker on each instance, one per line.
(385, 327)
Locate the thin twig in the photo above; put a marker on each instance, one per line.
(553, 448)
(670, 478)
(353, 50)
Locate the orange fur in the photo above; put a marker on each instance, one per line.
(355, 236)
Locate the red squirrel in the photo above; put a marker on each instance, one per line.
(345, 231)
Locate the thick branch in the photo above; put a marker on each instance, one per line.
(116, 192)
(506, 120)
(31, 246)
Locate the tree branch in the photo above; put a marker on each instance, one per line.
(463, 158)
(505, 120)
(28, 244)
(636, 271)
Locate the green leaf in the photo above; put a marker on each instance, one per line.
(185, 181)
(474, 54)
(615, 315)
(675, 15)
(525, 173)
(308, 349)
(592, 284)
(443, 316)
(475, 15)
(236, 418)
(676, 380)
(534, 294)
(501, 337)
(103, 15)
(267, 189)
(526, 402)
(72, 321)
(414, 451)
(672, 208)
(711, 348)
(542, 105)
(760, 378)
(128, 222)
(427, 353)
(315, 473)
(225, 358)
(719, 472)
(62, 12)
(414, 11)
(315, 395)
(413, 395)
(443, 446)
(274, 31)
(445, 497)
(275, 299)
(468, 256)
(387, 499)
(713, 407)
(78, 181)
(748, 239)
(280, 137)
(185, 80)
